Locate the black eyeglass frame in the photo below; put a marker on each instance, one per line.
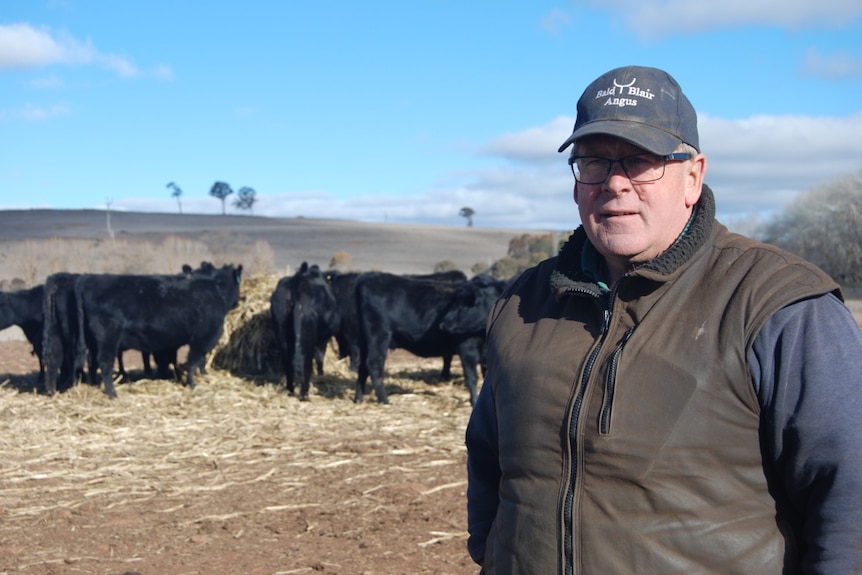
(676, 156)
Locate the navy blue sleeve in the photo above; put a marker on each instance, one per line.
(483, 472)
(806, 365)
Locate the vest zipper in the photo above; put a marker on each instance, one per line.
(610, 384)
(568, 504)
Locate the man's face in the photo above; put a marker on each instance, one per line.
(631, 223)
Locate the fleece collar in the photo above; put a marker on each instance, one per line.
(577, 263)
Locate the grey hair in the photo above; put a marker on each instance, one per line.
(687, 149)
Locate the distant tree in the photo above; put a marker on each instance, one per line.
(245, 199)
(824, 225)
(221, 190)
(176, 193)
(467, 213)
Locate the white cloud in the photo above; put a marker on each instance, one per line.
(245, 111)
(833, 66)
(23, 46)
(537, 143)
(163, 72)
(121, 66)
(33, 113)
(658, 18)
(51, 82)
(760, 164)
(554, 21)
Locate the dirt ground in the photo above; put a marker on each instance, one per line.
(233, 476)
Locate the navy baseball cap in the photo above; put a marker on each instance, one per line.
(643, 106)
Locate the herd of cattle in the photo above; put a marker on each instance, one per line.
(80, 324)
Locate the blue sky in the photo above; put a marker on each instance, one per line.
(406, 110)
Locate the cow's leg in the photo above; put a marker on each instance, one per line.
(289, 369)
(67, 372)
(354, 357)
(361, 379)
(371, 360)
(106, 355)
(376, 363)
(193, 362)
(53, 352)
(166, 361)
(197, 355)
(72, 367)
(148, 367)
(305, 384)
(371, 364)
(95, 377)
(319, 354)
(286, 361)
(446, 372)
(121, 367)
(289, 382)
(469, 363)
(379, 389)
(40, 380)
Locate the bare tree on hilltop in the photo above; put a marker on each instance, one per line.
(221, 190)
(176, 192)
(246, 198)
(467, 213)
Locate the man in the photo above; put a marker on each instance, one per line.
(664, 396)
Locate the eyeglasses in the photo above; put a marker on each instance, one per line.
(639, 168)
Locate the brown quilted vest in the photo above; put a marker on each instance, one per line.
(629, 431)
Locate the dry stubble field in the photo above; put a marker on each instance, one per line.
(235, 476)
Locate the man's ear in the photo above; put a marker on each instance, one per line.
(575, 192)
(694, 179)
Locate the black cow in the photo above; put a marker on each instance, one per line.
(153, 313)
(24, 309)
(63, 344)
(305, 316)
(472, 304)
(347, 336)
(166, 359)
(400, 312)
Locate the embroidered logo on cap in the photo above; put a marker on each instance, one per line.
(623, 95)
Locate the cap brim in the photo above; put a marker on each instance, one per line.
(638, 134)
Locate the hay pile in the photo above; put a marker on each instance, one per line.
(248, 348)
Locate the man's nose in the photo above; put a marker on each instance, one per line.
(617, 179)
(617, 170)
